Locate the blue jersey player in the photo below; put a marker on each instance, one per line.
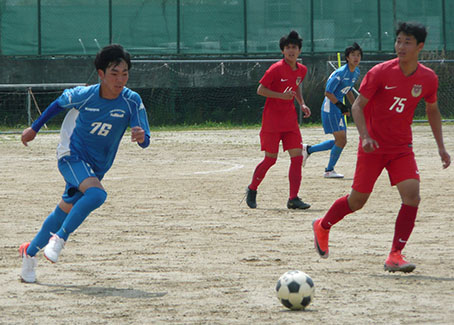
(339, 85)
(90, 134)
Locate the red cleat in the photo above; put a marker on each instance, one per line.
(396, 263)
(321, 238)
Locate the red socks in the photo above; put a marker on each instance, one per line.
(294, 175)
(260, 172)
(336, 213)
(405, 223)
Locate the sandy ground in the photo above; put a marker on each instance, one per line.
(173, 244)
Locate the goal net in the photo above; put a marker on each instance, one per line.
(445, 71)
(21, 104)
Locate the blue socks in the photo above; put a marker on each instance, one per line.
(52, 223)
(92, 199)
(322, 146)
(334, 157)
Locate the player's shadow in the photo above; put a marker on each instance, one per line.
(102, 291)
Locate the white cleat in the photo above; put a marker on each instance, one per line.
(333, 174)
(29, 263)
(53, 248)
(305, 154)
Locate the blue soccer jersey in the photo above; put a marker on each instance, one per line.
(341, 81)
(94, 126)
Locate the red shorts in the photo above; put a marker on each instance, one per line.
(290, 140)
(400, 167)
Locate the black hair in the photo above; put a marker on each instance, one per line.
(355, 47)
(112, 54)
(292, 38)
(412, 28)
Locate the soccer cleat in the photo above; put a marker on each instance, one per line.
(396, 263)
(321, 238)
(305, 153)
(332, 174)
(296, 203)
(251, 196)
(29, 263)
(53, 248)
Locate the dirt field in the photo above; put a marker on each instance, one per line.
(172, 244)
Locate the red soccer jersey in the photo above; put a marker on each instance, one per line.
(280, 115)
(393, 98)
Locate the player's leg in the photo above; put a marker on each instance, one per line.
(270, 145)
(322, 146)
(50, 225)
(404, 174)
(340, 140)
(81, 179)
(368, 168)
(328, 126)
(292, 142)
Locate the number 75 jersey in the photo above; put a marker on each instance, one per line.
(94, 126)
(393, 98)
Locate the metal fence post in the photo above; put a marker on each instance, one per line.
(29, 106)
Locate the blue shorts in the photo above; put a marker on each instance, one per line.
(332, 118)
(74, 171)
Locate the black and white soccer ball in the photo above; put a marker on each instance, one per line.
(295, 290)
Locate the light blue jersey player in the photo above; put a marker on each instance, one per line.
(90, 134)
(338, 86)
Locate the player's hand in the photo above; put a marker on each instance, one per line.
(369, 144)
(445, 158)
(306, 110)
(288, 94)
(28, 135)
(137, 134)
(343, 108)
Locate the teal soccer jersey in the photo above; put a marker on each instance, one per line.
(341, 81)
(93, 126)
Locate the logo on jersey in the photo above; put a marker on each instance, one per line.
(345, 90)
(341, 122)
(416, 91)
(141, 106)
(117, 113)
(90, 109)
(298, 80)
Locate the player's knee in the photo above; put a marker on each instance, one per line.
(97, 196)
(413, 200)
(270, 161)
(356, 205)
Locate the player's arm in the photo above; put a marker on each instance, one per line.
(368, 143)
(140, 129)
(30, 133)
(434, 118)
(299, 98)
(338, 103)
(288, 94)
(350, 97)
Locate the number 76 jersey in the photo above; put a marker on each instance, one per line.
(393, 98)
(94, 126)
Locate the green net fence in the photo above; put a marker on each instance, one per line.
(230, 27)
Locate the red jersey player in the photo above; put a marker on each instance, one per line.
(383, 113)
(281, 84)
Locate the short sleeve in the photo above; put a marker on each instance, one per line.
(71, 98)
(431, 96)
(371, 82)
(333, 81)
(268, 77)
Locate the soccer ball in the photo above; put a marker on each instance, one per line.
(295, 290)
